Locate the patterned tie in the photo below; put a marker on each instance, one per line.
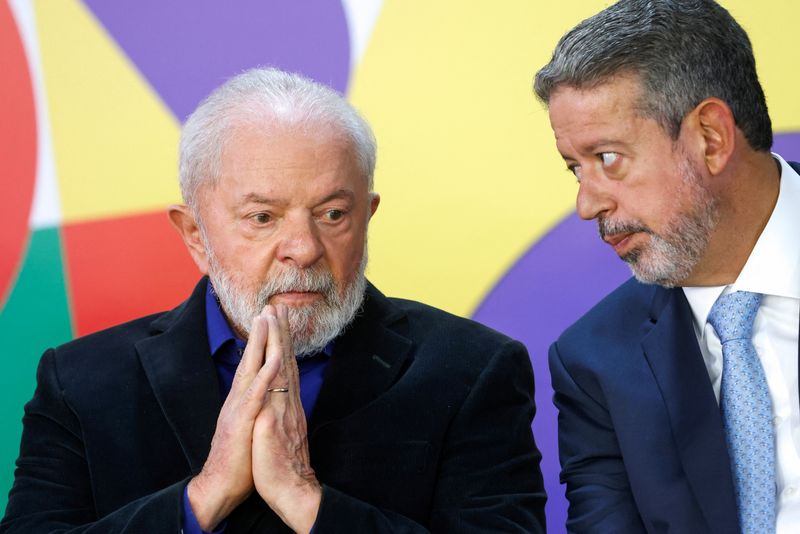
(746, 411)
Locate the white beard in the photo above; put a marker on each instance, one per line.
(312, 326)
(671, 256)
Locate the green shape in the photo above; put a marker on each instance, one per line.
(36, 316)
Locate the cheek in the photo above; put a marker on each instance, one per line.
(247, 263)
(344, 256)
(663, 215)
(654, 197)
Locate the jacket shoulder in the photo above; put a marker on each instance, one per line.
(121, 334)
(111, 351)
(613, 320)
(426, 321)
(458, 348)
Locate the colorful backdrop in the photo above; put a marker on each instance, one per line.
(477, 210)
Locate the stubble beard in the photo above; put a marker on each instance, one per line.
(312, 326)
(669, 258)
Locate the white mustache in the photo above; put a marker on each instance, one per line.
(299, 280)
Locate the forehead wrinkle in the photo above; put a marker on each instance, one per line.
(256, 198)
(588, 128)
(265, 200)
(341, 193)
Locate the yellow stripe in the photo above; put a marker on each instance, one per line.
(115, 142)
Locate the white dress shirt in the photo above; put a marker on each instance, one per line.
(773, 269)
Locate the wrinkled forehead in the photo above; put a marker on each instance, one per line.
(289, 160)
(278, 130)
(616, 98)
(622, 89)
(584, 119)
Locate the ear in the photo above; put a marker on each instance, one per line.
(715, 128)
(375, 200)
(184, 222)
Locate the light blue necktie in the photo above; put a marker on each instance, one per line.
(746, 411)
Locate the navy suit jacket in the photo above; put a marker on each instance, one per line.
(422, 423)
(641, 440)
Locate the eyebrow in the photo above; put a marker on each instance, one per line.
(603, 142)
(256, 198)
(593, 147)
(341, 193)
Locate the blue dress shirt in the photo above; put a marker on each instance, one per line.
(226, 350)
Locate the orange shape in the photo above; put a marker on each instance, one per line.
(123, 268)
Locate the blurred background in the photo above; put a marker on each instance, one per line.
(477, 209)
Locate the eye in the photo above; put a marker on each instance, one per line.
(576, 171)
(334, 215)
(609, 158)
(262, 218)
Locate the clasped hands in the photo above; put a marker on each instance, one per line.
(261, 437)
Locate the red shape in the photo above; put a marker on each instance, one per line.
(123, 268)
(17, 149)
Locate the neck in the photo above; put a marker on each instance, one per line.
(747, 196)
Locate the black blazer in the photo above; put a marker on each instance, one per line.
(422, 423)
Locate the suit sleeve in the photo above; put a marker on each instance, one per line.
(598, 490)
(52, 490)
(489, 478)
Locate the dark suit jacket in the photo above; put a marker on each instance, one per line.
(422, 422)
(641, 440)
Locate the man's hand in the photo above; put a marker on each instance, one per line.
(281, 466)
(226, 479)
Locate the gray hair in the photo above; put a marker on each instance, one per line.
(683, 51)
(263, 97)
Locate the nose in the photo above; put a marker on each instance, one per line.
(593, 198)
(299, 241)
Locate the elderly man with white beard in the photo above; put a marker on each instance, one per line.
(287, 393)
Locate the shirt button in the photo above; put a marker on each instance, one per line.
(789, 491)
(777, 420)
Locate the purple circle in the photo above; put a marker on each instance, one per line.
(186, 48)
(560, 277)
(556, 281)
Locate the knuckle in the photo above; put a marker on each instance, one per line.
(251, 395)
(241, 373)
(268, 420)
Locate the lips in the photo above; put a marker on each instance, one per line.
(618, 241)
(296, 297)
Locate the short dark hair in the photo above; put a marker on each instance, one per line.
(682, 51)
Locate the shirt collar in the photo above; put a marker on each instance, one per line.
(773, 267)
(220, 331)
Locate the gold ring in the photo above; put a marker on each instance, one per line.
(278, 390)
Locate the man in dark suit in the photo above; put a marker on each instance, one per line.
(195, 419)
(678, 393)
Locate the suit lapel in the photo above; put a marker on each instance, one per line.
(180, 370)
(676, 361)
(366, 361)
